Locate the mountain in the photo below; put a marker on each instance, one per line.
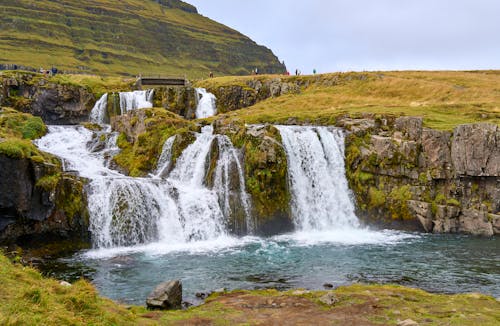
(125, 37)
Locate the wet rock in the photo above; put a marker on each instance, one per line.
(328, 286)
(495, 222)
(422, 211)
(475, 222)
(166, 296)
(329, 299)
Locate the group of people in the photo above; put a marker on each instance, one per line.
(49, 72)
(256, 72)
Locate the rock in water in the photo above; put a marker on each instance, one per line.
(166, 296)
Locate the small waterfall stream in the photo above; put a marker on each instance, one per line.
(136, 100)
(206, 104)
(98, 113)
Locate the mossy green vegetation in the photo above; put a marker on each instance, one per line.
(139, 154)
(444, 99)
(16, 132)
(29, 299)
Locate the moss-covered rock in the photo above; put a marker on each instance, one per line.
(142, 135)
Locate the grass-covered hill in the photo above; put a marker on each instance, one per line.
(129, 37)
(444, 99)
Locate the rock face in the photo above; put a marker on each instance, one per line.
(166, 296)
(179, 100)
(408, 176)
(266, 180)
(54, 103)
(37, 202)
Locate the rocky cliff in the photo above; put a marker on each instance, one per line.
(405, 175)
(40, 203)
(54, 102)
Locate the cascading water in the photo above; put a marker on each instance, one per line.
(320, 193)
(165, 160)
(136, 100)
(206, 104)
(98, 113)
(128, 211)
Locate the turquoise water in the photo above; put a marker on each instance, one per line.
(437, 263)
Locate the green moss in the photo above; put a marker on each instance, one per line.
(139, 155)
(18, 148)
(398, 203)
(440, 199)
(49, 182)
(377, 197)
(453, 202)
(33, 128)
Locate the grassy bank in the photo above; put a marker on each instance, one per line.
(444, 99)
(29, 299)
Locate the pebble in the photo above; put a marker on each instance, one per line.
(407, 322)
(64, 283)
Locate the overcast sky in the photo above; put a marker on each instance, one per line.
(343, 35)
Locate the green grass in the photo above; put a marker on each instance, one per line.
(444, 99)
(126, 37)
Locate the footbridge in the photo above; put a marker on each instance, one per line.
(161, 81)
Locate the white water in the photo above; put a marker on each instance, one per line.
(176, 211)
(206, 104)
(165, 160)
(320, 193)
(136, 100)
(126, 211)
(98, 113)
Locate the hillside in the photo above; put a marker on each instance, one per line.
(444, 99)
(126, 37)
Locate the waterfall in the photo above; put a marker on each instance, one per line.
(165, 159)
(168, 209)
(136, 100)
(320, 193)
(99, 112)
(206, 104)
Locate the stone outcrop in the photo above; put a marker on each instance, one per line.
(166, 296)
(40, 203)
(266, 180)
(413, 177)
(54, 103)
(235, 97)
(179, 100)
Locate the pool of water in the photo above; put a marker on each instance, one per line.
(437, 263)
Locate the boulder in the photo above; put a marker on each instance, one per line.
(166, 296)
(475, 222)
(423, 212)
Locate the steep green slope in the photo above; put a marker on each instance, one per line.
(125, 37)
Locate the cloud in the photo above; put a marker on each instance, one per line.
(367, 34)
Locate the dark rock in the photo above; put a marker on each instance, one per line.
(166, 296)
(328, 286)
